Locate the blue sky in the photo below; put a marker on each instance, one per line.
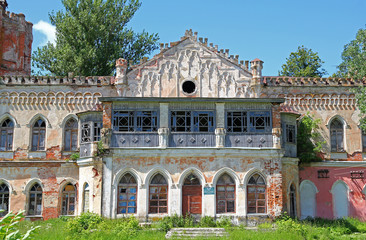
(265, 29)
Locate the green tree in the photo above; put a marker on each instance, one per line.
(303, 63)
(309, 142)
(354, 57)
(91, 35)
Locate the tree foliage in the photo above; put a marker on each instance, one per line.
(9, 229)
(91, 35)
(354, 57)
(303, 63)
(361, 104)
(309, 143)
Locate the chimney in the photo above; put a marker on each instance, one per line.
(121, 70)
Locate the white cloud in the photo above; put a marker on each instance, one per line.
(46, 29)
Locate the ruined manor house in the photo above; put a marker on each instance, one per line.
(192, 130)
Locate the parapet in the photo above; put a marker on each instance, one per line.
(307, 81)
(45, 80)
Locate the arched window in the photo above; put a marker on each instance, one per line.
(68, 199)
(7, 130)
(38, 135)
(158, 195)
(35, 200)
(225, 194)
(86, 198)
(71, 135)
(4, 199)
(336, 136)
(256, 194)
(127, 195)
(292, 201)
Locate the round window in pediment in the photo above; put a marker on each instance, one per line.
(189, 87)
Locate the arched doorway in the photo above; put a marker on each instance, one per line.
(192, 195)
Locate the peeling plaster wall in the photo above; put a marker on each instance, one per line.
(52, 177)
(208, 162)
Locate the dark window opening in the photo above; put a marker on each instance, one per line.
(91, 131)
(68, 200)
(135, 121)
(7, 131)
(292, 201)
(35, 200)
(192, 179)
(336, 136)
(38, 135)
(4, 199)
(203, 121)
(290, 134)
(189, 87)
(237, 122)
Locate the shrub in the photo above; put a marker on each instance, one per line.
(75, 156)
(207, 221)
(224, 222)
(8, 227)
(175, 221)
(125, 228)
(85, 222)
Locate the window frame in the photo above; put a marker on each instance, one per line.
(90, 131)
(135, 121)
(8, 133)
(335, 133)
(159, 186)
(287, 129)
(247, 126)
(256, 186)
(128, 194)
(41, 133)
(4, 186)
(66, 198)
(72, 131)
(86, 199)
(193, 119)
(233, 184)
(37, 193)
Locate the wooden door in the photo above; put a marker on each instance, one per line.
(192, 200)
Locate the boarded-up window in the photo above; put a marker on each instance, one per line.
(4, 199)
(256, 194)
(158, 195)
(225, 194)
(68, 200)
(127, 195)
(35, 200)
(38, 135)
(336, 136)
(71, 135)
(7, 130)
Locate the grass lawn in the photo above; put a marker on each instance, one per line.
(285, 228)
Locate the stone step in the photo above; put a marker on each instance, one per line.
(196, 232)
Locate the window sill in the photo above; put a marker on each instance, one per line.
(225, 214)
(123, 215)
(257, 214)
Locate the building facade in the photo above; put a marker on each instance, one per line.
(192, 130)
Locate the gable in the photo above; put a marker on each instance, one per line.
(188, 63)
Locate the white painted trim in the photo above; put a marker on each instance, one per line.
(335, 183)
(333, 196)
(337, 164)
(8, 115)
(309, 182)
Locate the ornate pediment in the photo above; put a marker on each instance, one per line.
(188, 68)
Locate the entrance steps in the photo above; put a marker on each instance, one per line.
(196, 232)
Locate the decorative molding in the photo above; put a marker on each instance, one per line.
(45, 80)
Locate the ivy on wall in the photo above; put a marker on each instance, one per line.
(309, 142)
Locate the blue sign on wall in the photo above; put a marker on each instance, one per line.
(209, 190)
